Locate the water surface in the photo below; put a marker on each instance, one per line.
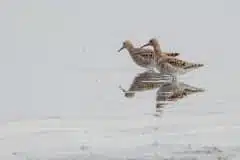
(67, 93)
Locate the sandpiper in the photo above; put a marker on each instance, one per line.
(170, 65)
(142, 56)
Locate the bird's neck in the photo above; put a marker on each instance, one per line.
(130, 48)
(157, 50)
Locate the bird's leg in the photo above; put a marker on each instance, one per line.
(150, 70)
(164, 76)
(174, 79)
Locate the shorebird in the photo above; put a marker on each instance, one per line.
(141, 56)
(170, 65)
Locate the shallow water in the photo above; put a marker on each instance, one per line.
(66, 93)
(111, 124)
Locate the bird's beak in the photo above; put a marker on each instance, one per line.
(145, 45)
(121, 48)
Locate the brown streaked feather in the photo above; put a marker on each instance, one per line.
(142, 51)
(171, 54)
(141, 59)
(152, 55)
(146, 55)
(178, 62)
(194, 66)
(149, 52)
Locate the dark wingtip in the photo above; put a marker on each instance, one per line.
(194, 66)
(198, 65)
(173, 54)
(176, 54)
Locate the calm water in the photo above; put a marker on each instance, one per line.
(126, 114)
(66, 93)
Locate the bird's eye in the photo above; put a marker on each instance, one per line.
(151, 41)
(124, 43)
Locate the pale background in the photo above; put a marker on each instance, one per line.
(60, 67)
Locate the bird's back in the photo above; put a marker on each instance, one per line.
(142, 57)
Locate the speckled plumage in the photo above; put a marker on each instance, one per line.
(141, 56)
(170, 65)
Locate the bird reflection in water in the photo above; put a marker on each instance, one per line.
(167, 90)
(145, 81)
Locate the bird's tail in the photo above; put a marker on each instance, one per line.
(193, 66)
